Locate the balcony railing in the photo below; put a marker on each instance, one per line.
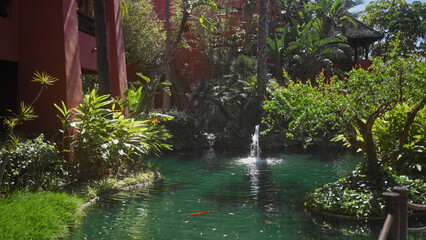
(86, 23)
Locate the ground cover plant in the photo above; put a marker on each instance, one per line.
(41, 215)
(363, 110)
(355, 195)
(34, 164)
(27, 163)
(97, 187)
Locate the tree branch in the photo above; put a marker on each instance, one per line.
(404, 134)
(351, 132)
(382, 109)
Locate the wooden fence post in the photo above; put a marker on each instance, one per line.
(392, 207)
(403, 211)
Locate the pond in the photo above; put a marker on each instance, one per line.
(214, 195)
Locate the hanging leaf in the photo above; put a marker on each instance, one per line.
(207, 24)
(147, 80)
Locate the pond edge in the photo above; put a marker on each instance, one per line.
(341, 216)
(157, 179)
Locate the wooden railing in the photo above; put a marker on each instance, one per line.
(396, 209)
(86, 23)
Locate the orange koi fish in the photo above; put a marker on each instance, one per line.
(199, 213)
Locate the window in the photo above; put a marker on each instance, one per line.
(4, 11)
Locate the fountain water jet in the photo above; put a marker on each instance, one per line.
(254, 158)
(254, 146)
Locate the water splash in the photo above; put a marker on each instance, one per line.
(253, 160)
(254, 146)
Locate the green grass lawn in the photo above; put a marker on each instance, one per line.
(41, 215)
(49, 215)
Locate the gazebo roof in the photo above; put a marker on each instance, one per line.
(360, 35)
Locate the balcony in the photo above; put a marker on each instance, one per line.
(86, 23)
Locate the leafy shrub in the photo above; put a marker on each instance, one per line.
(140, 99)
(228, 106)
(33, 164)
(352, 106)
(412, 159)
(348, 196)
(360, 196)
(106, 139)
(29, 164)
(143, 33)
(185, 132)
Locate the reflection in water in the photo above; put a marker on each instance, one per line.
(263, 190)
(249, 198)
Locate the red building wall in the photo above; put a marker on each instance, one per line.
(49, 42)
(9, 33)
(43, 35)
(87, 52)
(117, 60)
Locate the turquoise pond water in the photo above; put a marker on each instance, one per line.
(243, 198)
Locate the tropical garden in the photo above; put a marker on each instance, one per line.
(274, 66)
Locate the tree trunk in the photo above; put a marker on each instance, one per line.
(4, 162)
(102, 47)
(249, 7)
(261, 47)
(373, 168)
(366, 130)
(166, 96)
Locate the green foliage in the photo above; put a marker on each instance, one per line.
(141, 99)
(219, 38)
(244, 66)
(310, 53)
(228, 105)
(276, 49)
(333, 13)
(89, 82)
(185, 131)
(31, 162)
(44, 78)
(143, 34)
(34, 164)
(299, 110)
(41, 215)
(303, 47)
(97, 187)
(106, 138)
(360, 196)
(412, 159)
(352, 195)
(205, 23)
(26, 112)
(352, 105)
(401, 22)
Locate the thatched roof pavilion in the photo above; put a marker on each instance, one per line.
(360, 35)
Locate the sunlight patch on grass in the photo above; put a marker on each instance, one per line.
(95, 188)
(41, 215)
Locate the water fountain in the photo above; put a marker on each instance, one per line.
(254, 146)
(213, 196)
